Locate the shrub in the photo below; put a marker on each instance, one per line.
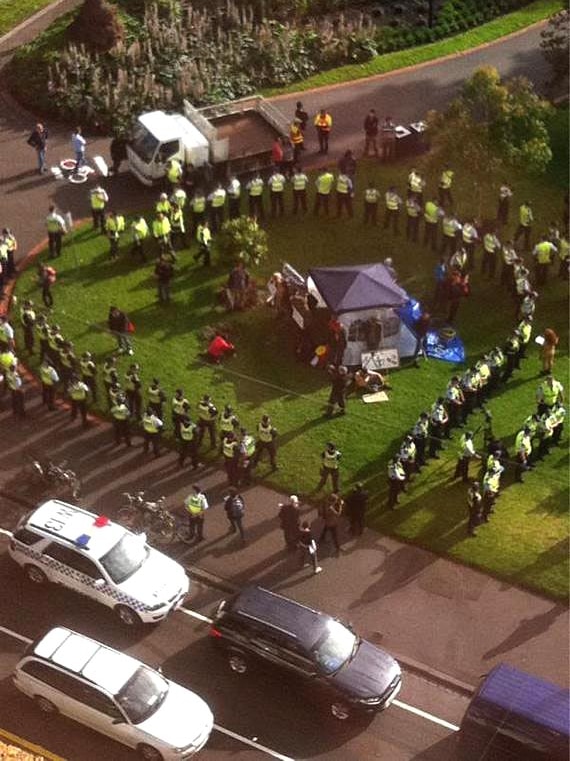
(97, 26)
(242, 239)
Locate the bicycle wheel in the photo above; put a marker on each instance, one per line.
(129, 518)
(162, 529)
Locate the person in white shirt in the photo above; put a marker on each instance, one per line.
(78, 142)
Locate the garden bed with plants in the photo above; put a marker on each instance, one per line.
(526, 541)
(101, 65)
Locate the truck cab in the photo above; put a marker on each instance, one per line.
(158, 137)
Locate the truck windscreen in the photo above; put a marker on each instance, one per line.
(143, 143)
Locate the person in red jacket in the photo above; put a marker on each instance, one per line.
(219, 347)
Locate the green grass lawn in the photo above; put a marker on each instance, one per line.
(492, 30)
(12, 12)
(526, 541)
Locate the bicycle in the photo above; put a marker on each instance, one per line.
(139, 514)
(58, 477)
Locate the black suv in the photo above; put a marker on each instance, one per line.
(260, 625)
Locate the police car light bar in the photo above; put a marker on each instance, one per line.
(82, 541)
(101, 521)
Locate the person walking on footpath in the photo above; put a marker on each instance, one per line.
(474, 508)
(331, 513)
(330, 459)
(78, 144)
(196, 504)
(38, 141)
(234, 506)
(370, 133)
(56, 229)
(355, 508)
(323, 125)
(46, 276)
(308, 547)
(289, 521)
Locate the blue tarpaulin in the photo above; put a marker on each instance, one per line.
(437, 347)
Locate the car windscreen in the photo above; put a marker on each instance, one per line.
(335, 647)
(143, 143)
(142, 695)
(125, 558)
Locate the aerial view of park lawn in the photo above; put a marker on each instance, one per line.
(525, 543)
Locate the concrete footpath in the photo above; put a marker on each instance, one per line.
(443, 617)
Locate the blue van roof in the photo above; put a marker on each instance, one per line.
(525, 695)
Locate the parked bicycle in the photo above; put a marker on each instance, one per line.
(58, 478)
(139, 514)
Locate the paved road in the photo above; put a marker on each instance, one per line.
(275, 714)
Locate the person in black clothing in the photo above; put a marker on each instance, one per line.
(355, 507)
(339, 385)
(301, 115)
(38, 141)
(118, 323)
(371, 133)
(164, 272)
(308, 547)
(289, 517)
(235, 508)
(118, 149)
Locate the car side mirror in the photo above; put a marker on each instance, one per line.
(118, 720)
(99, 583)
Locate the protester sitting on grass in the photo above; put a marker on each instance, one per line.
(369, 382)
(219, 348)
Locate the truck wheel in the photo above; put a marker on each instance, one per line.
(149, 753)
(45, 705)
(35, 574)
(127, 615)
(340, 710)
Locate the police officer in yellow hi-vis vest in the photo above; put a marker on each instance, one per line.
(152, 429)
(392, 212)
(266, 435)
(114, 226)
(344, 194)
(78, 391)
(196, 504)
(526, 218)
(174, 172)
(432, 214)
(245, 462)
(198, 206)
(161, 228)
(330, 459)
(156, 398)
(140, 231)
(323, 125)
(98, 199)
(543, 254)
(217, 199)
(299, 182)
(230, 451)
(255, 190)
(276, 185)
(120, 413)
(88, 370)
(324, 183)
(207, 416)
(179, 406)
(187, 442)
(445, 183)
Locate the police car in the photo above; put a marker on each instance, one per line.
(115, 694)
(63, 544)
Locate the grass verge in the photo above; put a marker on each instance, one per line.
(493, 30)
(13, 13)
(525, 543)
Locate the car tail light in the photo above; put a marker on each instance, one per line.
(12, 544)
(215, 632)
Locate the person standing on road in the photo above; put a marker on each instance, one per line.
(196, 504)
(355, 507)
(323, 125)
(331, 513)
(371, 133)
(78, 144)
(289, 520)
(388, 134)
(301, 115)
(234, 506)
(308, 547)
(297, 139)
(38, 140)
(56, 229)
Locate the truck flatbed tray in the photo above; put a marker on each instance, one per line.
(248, 132)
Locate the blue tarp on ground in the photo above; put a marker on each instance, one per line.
(448, 350)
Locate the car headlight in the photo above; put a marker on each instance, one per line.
(371, 701)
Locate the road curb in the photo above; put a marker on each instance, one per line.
(434, 675)
(406, 69)
(22, 26)
(37, 750)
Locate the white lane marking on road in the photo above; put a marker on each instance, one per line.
(21, 637)
(198, 616)
(426, 715)
(252, 743)
(4, 532)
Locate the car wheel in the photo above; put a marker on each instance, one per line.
(45, 705)
(149, 753)
(237, 663)
(35, 574)
(127, 615)
(340, 711)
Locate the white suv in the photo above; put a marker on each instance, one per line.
(91, 555)
(115, 694)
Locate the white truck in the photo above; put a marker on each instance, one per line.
(232, 137)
